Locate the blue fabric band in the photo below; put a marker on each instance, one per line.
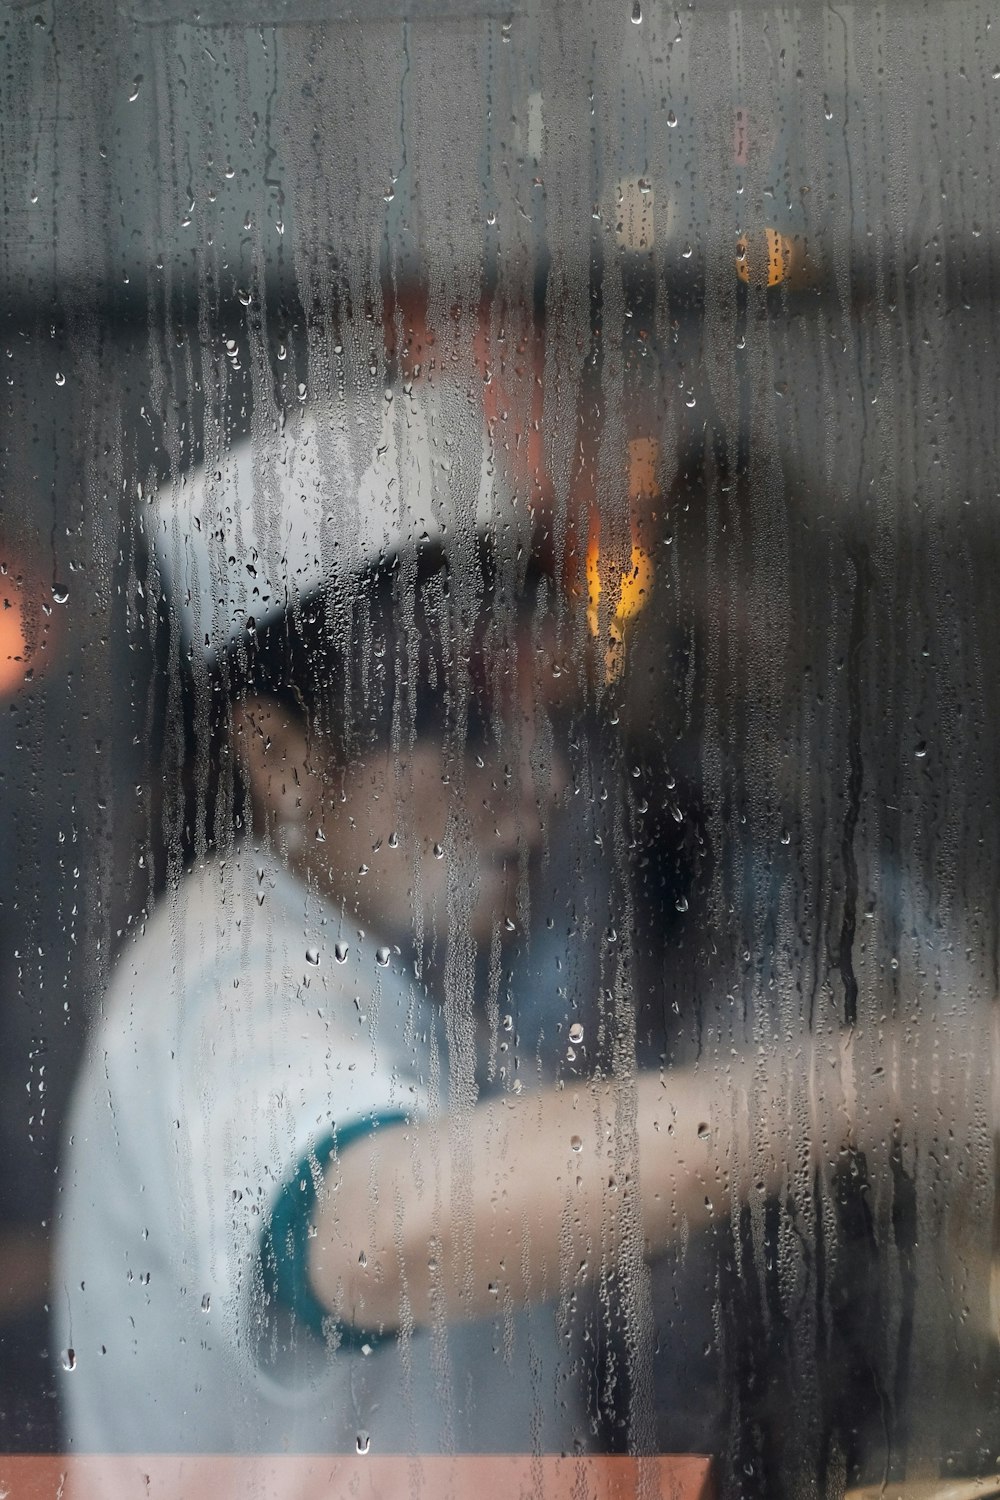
(285, 1242)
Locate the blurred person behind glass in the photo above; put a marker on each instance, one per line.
(785, 912)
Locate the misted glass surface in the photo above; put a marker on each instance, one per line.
(498, 685)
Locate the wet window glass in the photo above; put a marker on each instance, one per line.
(498, 682)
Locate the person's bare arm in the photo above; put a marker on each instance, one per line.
(513, 1197)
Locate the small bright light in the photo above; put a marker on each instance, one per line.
(629, 591)
(768, 259)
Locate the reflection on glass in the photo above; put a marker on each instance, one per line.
(497, 677)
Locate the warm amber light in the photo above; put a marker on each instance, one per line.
(631, 590)
(628, 592)
(13, 643)
(769, 261)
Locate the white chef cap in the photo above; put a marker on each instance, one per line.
(312, 504)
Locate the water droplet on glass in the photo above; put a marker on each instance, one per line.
(681, 903)
(59, 594)
(68, 1359)
(340, 952)
(393, 841)
(509, 924)
(996, 71)
(60, 378)
(312, 955)
(576, 1033)
(206, 1303)
(703, 1132)
(636, 13)
(575, 1143)
(364, 1442)
(438, 852)
(671, 118)
(921, 750)
(134, 91)
(382, 957)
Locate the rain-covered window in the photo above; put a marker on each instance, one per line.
(498, 757)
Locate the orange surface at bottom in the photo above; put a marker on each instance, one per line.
(268, 1477)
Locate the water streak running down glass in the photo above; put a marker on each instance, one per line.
(499, 948)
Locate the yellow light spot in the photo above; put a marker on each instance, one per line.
(634, 586)
(628, 591)
(628, 596)
(768, 259)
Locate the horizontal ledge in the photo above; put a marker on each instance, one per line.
(371, 1477)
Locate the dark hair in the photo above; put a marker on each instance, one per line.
(417, 645)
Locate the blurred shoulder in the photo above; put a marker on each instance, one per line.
(226, 922)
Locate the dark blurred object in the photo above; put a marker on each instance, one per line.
(28, 1412)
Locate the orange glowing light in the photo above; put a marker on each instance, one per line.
(631, 589)
(628, 592)
(769, 259)
(14, 651)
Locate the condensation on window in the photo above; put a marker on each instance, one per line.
(498, 936)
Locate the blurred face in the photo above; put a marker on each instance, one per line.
(421, 840)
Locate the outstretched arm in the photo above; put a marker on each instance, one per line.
(441, 1219)
(527, 1193)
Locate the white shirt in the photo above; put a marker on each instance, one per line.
(232, 1041)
